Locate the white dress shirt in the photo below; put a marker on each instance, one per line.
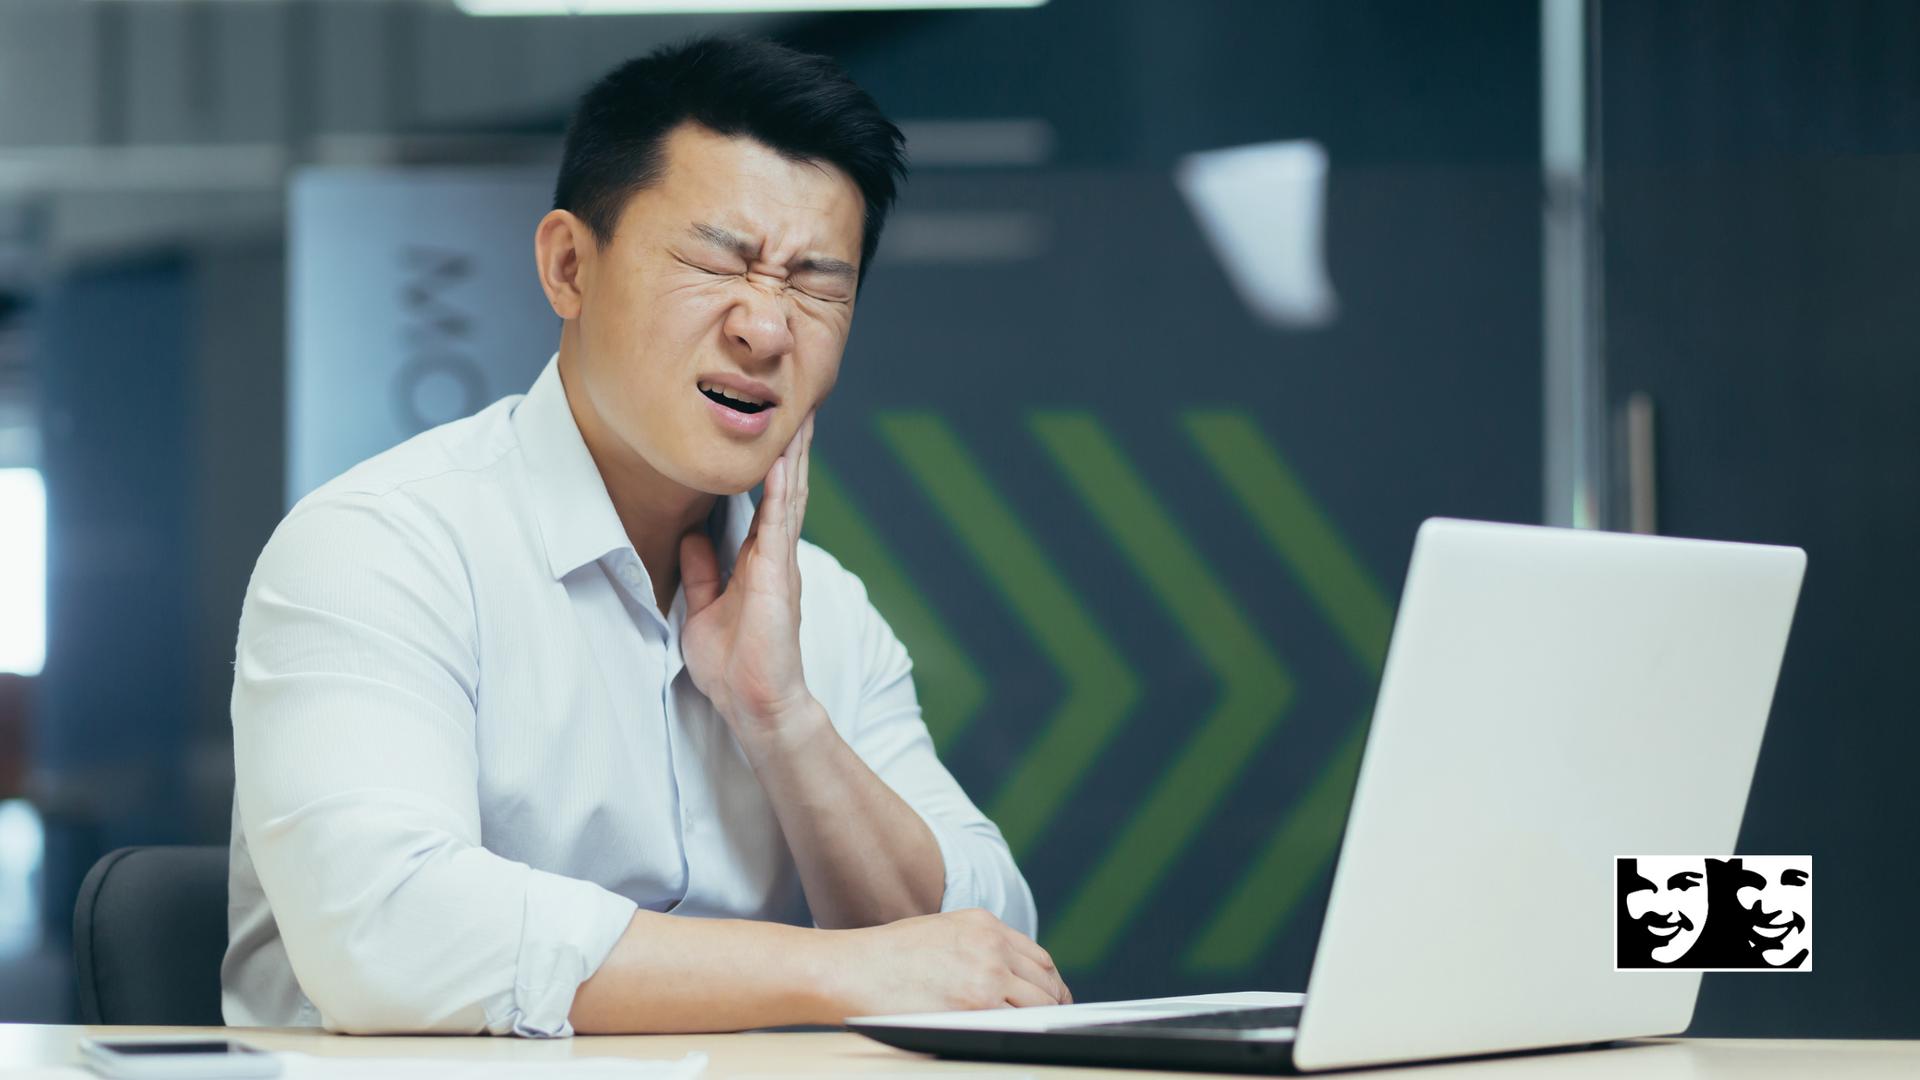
(466, 748)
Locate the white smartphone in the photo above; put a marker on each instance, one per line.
(177, 1058)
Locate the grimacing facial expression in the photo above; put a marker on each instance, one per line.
(713, 321)
(1675, 909)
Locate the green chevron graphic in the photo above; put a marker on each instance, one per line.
(1300, 849)
(1299, 532)
(1256, 688)
(1307, 838)
(949, 684)
(1101, 690)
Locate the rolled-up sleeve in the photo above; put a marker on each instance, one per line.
(890, 736)
(357, 789)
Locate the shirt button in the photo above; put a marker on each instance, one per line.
(686, 820)
(631, 575)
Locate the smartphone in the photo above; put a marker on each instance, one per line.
(160, 1059)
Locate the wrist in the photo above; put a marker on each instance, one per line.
(780, 735)
(823, 994)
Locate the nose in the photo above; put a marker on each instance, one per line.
(757, 325)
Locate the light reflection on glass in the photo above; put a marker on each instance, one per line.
(23, 571)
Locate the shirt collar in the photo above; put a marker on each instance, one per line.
(570, 502)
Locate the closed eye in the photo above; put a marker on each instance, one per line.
(706, 268)
(826, 295)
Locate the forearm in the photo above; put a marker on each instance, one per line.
(675, 974)
(865, 857)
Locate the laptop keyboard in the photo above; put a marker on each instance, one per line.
(1284, 1016)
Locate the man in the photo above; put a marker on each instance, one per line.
(535, 728)
(1743, 934)
(1780, 908)
(1663, 909)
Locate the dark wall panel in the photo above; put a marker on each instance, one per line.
(1139, 82)
(1762, 232)
(1770, 312)
(1421, 400)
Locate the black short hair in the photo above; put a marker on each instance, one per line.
(801, 106)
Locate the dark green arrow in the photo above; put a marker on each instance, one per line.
(1299, 531)
(1304, 538)
(1100, 689)
(949, 684)
(1298, 852)
(1255, 688)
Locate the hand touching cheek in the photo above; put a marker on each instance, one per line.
(742, 643)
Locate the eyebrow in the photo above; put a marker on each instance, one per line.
(716, 237)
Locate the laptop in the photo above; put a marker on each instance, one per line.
(1551, 699)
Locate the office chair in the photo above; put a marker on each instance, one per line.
(149, 931)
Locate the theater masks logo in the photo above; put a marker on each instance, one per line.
(1698, 913)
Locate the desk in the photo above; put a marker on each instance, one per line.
(784, 1055)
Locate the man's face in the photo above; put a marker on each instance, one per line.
(712, 322)
(1675, 908)
(1780, 909)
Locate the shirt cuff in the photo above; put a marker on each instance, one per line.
(962, 887)
(570, 926)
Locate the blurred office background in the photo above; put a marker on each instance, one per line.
(1143, 540)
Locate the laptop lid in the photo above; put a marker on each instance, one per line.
(1551, 699)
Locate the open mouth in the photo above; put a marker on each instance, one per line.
(734, 399)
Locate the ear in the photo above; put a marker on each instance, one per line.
(564, 248)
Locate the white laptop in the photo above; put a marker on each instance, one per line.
(1551, 699)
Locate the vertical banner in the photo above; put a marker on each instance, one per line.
(412, 301)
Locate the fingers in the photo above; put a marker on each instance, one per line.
(1031, 962)
(1030, 950)
(801, 470)
(1022, 994)
(1042, 979)
(699, 572)
(783, 495)
(772, 497)
(775, 515)
(788, 463)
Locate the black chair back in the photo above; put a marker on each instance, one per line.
(149, 931)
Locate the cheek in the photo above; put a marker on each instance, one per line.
(636, 310)
(1639, 904)
(819, 347)
(1747, 897)
(689, 317)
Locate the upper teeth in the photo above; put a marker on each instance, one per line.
(734, 394)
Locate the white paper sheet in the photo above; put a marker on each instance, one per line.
(1042, 1017)
(308, 1067)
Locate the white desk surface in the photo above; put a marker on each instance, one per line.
(781, 1055)
(768, 1056)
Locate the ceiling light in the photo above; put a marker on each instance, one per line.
(710, 7)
